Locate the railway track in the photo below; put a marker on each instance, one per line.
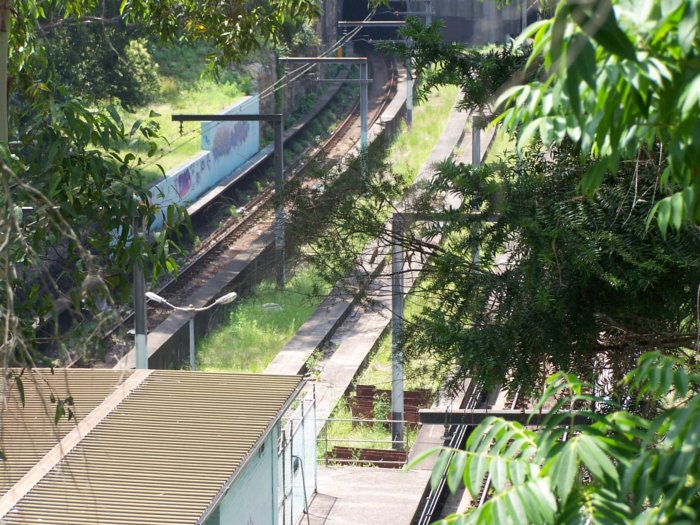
(230, 239)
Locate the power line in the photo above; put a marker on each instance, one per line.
(282, 82)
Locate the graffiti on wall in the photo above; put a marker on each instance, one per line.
(225, 147)
(229, 138)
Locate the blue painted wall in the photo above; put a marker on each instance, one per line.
(225, 146)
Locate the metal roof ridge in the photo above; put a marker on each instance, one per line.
(52, 458)
(225, 488)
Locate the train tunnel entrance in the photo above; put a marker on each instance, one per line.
(357, 10)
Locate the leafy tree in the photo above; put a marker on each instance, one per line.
(481, 74)
(565, 281)
(619, 76)
(592, 460)
(61, 163)
(102, 63)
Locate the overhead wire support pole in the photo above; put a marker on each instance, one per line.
(140, 328)
(477, 125)
(364, 87)
(397, 311)
(278, 122)
(409, 84)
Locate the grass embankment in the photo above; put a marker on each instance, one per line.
(183, 89)
(411, 149)
(252, 335)
(378, 373)
(502, 147)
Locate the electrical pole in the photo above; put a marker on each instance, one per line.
(279, 207)
(409, 84)
(397, 307)
(140, 329)
(476, 162)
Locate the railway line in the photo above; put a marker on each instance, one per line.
(234, 237)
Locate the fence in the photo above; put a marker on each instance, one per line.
(297, 462)
(362, 442)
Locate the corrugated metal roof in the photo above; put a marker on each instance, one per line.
(29, 433)
(163, 454)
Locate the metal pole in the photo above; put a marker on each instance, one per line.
(279, 207)
(476, 161)
(363, 105)
(193, 366)
(523, 14)
(291, 470)
(364, 141)
(476, 141)
(140, 303)
(428, 12)
(409, 85)
(397, 411)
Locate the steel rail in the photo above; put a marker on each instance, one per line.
(255, 210)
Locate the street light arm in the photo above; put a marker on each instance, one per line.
(224, 299)
(161, 300)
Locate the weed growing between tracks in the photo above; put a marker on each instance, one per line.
(253, 333)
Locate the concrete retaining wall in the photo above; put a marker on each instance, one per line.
(225, 147)
(168, 344)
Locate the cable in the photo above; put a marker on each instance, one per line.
(282, 82)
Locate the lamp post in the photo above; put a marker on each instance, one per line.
(192, 310)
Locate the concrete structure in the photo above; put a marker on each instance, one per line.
(156, 446)
(469, 21)
(473, 21)
(225, 147)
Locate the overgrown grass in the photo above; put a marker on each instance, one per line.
(183, 89)
(362, 435)
(252, 335)
(502, 146)
(412, 147)
(416, 370)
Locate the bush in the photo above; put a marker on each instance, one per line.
(136, 76)
(103, 64)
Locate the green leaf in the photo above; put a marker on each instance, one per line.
(455, 471)
(498, 472)
(602, 26)
(564, 468)
(594, 456)
(474, 476)
(440, 467)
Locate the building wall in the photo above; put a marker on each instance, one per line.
(474, 21)
(253, 495)
(297, 462)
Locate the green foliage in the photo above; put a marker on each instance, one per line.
(620, 75)
(75, 240)
(233, 29)
(355, 208)
(102, 62)
(562, 280)
(612, 468)
(480, 72)
(139, 75)
(254, 334)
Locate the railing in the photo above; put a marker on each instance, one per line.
(344, 447)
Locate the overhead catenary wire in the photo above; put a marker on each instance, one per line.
(282, 82)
